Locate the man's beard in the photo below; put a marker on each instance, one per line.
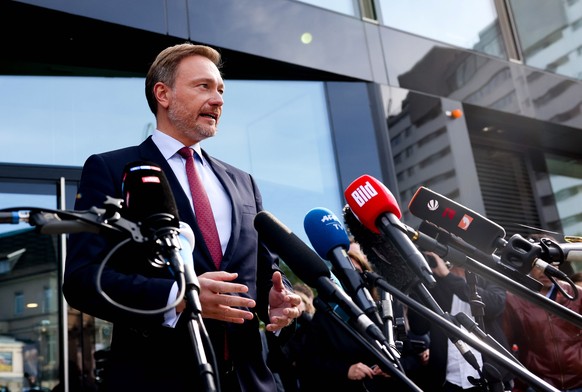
(185, 123)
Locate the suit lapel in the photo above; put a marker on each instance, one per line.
(229, 182)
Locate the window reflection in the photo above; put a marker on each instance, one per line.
(282, 137)
(421, 146)
(566, 181)
(550, 35)
(341, 6)
(466, 24)
(29, 334)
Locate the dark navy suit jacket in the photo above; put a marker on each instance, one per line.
(144, 355)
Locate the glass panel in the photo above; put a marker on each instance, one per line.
(60, 120)
(550, 34)
(565, 176)
(29, 321)
(282, 137)
(342, 6)
(467, 24)
(566, 180)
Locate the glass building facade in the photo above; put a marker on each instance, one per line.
(318, 93)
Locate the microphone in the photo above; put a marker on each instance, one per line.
(376, 208)
(380, 253)
(456, 219)
(432, 238)
(330, 240)
(311, 269)
(148, 199)
(568, 251)
(14, 217)
(525, 255)
(95, 220)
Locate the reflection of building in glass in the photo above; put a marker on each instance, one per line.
(550, 34)
(477, 80)
(11, 363)
(491, 41)
(421, 148)
(566, 183)
(427, 146)
(28, 308)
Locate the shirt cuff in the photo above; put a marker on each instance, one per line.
(171, 317)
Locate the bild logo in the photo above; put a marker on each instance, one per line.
(432, 205)
(363, 193)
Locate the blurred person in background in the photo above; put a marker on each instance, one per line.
(548, 346)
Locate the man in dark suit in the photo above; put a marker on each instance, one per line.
(152, 352)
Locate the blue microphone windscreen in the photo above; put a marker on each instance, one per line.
(325, 231)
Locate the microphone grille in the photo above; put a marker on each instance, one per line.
(384, 257)
(146, 192)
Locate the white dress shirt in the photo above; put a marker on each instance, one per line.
(458, 369)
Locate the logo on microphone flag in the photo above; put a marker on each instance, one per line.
(465, 222)
(432, 205)
(449, 213)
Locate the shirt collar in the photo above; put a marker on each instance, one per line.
(169, 146)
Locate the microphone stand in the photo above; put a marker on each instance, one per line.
(387, 316)
(196, 328)
(482, 268)
(478, 312)
(477, 305)
(97, 220)
(422, 292)
(385, 364)
(376, 280)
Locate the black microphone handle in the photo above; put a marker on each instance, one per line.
(354, 284)
(65, 227)
(331, 292)
(394, 231)
(311, 269)
(95, 220)
(473, 327)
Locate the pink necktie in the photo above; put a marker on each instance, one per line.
(202, 207)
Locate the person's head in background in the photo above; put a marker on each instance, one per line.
(307, 295)
(360, 262)
(358, 257)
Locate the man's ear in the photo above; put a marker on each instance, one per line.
(162, 92)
